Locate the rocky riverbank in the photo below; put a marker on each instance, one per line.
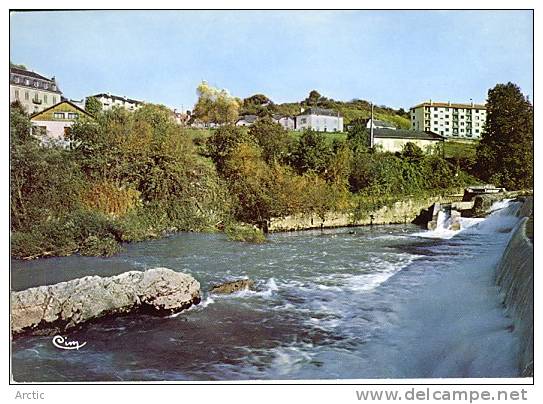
(59, 307)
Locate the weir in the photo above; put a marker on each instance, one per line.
(514, 276)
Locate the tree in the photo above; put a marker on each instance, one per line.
(258, 104)
(216, 105)
(312, 152)
(313, 98)
(93, 105)
(505, 155)
(223, 142)
(272, 138)
(411, 152)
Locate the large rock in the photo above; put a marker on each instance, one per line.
(67, 304)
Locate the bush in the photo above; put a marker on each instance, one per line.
(244, 232)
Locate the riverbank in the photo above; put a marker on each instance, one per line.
(399, 211)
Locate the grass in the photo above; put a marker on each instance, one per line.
(460, 149)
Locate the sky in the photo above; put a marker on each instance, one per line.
(393, 58)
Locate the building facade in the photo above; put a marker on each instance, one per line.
(109, 101)
(34, 91)
(319, 119)
(393, 140)
(463, 121)
(53, 124)
(287, 122)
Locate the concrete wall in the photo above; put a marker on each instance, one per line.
(403, 211)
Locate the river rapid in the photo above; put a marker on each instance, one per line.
(352, 303)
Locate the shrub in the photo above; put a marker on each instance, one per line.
(244, 232)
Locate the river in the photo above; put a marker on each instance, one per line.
(368, 302)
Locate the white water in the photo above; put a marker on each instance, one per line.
(382, 302)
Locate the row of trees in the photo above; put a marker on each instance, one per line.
(126, 176)
(271, 173)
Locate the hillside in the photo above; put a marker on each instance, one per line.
(259, 104)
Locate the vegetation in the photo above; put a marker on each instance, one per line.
(126, 177)
(130, 176)
(93, 105)
(505, 155)
(216, 105)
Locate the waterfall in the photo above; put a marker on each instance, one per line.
(514, 276)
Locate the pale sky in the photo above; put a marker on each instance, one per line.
(395, 58)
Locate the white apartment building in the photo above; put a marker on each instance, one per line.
(34, 91)
(319, 119)
(463, 121)
(109, 101)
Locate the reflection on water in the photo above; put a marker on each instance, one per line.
(346, 303)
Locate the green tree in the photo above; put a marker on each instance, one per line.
(223, 142)
(313, 98)
(273, 139)
(93, 105)
(312, 152)
(412, 153)
(505, 155)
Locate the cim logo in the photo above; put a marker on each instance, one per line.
(62, 343)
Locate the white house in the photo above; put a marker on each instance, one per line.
(319, 119)
(246, 120)
(34, 91)
(109, 101)
(286, 122)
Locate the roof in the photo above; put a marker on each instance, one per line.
(320, 111)
(449, 105)
(56, 105)
(33, 75)
(28, 73)
(406, 134)
(377, 122)
(248, 118)
(116, 97)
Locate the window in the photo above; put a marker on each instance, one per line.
(36, 83)
(27, 82)
(461, 130)
(75, 115)
(16, 79)
(446, 129)
(26, 95)
(461, 116)
(476, 130)
(435, 122)
(46, 86)
(45, 98)
(446, 116)
(16, 94)
(435, 115)
(54, 100)
(435, 108)
(58, 115)
(447, 109)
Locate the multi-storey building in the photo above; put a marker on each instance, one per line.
(447, 119)
(109, 101)
(34, 91)
(319, 119)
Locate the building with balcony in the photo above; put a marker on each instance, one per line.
(462, 121)
(34, 91)
(109, 101)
